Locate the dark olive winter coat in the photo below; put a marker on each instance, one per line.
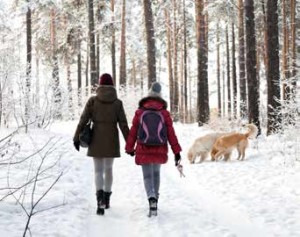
(106, 111)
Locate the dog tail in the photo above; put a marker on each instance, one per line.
(253, 130)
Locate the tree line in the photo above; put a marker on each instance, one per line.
(243, 53)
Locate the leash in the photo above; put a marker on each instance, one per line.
(180, 169)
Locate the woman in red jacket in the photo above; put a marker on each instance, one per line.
(150, 156)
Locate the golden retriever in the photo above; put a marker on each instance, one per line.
(224, 145)
(202, 146)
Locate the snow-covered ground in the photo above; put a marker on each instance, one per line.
(257, 197)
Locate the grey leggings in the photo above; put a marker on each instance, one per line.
(103, 173)
(151, 173)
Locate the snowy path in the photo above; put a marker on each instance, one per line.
(214, 200)
(185, 209)
(258, 197)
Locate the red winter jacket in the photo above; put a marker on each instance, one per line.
(152, 154)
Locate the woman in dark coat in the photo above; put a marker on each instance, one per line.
(106, 111)
(151, 157)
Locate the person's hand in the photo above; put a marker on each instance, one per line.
(76, 145)
(177, 159)
(131, 153)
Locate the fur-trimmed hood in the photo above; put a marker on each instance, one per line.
(153, 102)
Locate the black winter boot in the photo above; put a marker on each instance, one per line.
(100, 202)
(107, 199)
(152, 206)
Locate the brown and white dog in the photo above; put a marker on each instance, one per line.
(202, 146)
(224, 145)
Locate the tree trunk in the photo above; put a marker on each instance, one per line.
(142, 79)
(242, 67)
(180, 85)
(223, 90)
(113, 42)
(37, 80)
(70, 92)
(285, 51)
(79, 77)
(273, 77)
(98, 54)
(293, 49)
(55, 70)
(1, 104)
(68, 61)
(87, 72)
(29, 65)
(79, 63)
(228, 76)
(99, 17)
(218, 72)
(29, 47)
(93, 70)
(253, 85)
(169, 59)
(151, 60)
(190, 113)
(175, 63)
(202, 78)
(265, 50)
(123, 48)
(185, 65)
(234, 83)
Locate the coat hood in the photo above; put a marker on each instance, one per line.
(107, 94)
(153, 102)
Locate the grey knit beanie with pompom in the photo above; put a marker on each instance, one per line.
(155, 89)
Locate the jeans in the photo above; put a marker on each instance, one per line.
(103, 173)
(151, 174)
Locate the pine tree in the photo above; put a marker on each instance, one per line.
(242, 66)
(29, 64)
(202, 89)
(151, 59)
(253, 85)
(123, 47)
(92, 48)
(273, 78)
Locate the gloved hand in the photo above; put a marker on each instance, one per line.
(76, 145)
(177, 159)
(131, 153)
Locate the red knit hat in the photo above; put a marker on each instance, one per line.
(106, 79)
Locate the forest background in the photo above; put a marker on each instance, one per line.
(212, 58)
(221, 63)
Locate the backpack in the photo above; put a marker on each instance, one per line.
(152, 129)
